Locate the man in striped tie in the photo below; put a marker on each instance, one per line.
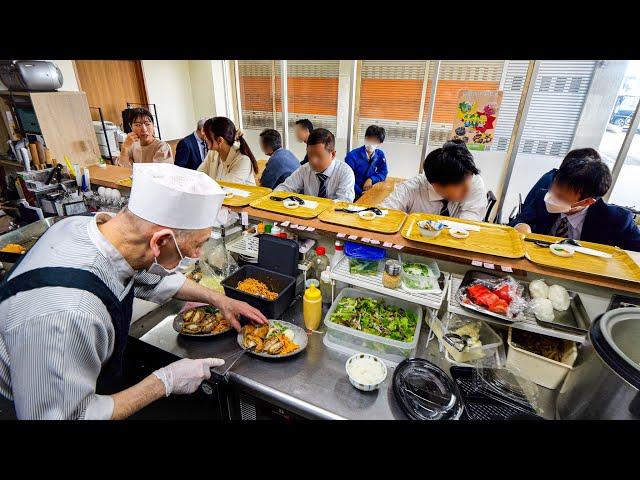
(323, 176)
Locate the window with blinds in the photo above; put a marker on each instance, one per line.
(390, 96)
(453, 77)
(312, 88)
(260, 94)
(559, 94)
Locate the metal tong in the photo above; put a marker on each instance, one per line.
(459, 342)
(230, 361)
(290, 197)
(375, 210)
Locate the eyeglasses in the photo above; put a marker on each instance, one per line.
(146, 124)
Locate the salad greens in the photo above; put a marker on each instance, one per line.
(363, 267)
(418, 276)
(375, 317)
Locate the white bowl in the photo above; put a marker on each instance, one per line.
(458, 233)
(292, 204)
(368, 215)
(228, 195)
(562, 250)
(430, 233)
(365, 387)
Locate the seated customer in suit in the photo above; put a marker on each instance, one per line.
(282, 162)
(323, 176)
(451, 186)
(368, 162)
(572, 208)
(545, 180)
(192, 149)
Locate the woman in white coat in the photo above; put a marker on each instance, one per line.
(229, 159)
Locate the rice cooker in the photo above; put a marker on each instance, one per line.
(605, 382)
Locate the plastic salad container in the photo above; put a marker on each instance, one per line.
(364, 259)
(419, 273)
(350, 340)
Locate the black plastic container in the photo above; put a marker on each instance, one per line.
(284, 285)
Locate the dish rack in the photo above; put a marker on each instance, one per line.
(528, 324)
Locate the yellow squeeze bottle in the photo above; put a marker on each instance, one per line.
(312, 308)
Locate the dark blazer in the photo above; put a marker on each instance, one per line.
(188, 153)
(603, 223)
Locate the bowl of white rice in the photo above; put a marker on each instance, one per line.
(366, 372)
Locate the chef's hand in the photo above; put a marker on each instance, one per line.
(232, 309)
(130, 140)
(367, 185)
(186, 375)
(523, 228)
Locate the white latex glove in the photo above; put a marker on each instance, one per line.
(186, 375)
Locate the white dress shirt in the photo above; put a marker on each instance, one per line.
(340, 181)
(418, 195)
(55, 340)
(576, 222)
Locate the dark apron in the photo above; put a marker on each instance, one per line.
(110, 379)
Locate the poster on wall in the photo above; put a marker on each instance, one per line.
(476, 117)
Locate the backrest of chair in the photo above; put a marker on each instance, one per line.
(491, 201)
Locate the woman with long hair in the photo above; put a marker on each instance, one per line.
(229, 159)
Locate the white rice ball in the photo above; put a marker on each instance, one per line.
(539, 289)
(543, 309)
(559, 297)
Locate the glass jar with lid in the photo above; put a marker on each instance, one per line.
(391, 277)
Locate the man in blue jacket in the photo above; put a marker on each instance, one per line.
(192, 149)
(368, 162)
(572, 207)
(282, 162)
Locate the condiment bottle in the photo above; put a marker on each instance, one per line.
(391, 277)
(325, 285)
(312, 308)
(267, 228)
(260, 228)
(335, 259)
(319, 264)
(275, 230)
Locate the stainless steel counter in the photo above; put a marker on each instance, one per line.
(312, 384)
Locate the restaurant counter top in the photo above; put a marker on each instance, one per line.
(312, 384)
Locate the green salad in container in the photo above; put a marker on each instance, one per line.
(375, 317)
(363, 267)
(418, 276)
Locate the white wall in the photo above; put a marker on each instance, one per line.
(202, 88)
(169, 87)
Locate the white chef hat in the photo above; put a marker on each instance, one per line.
(174, 197)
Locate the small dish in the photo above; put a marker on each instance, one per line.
(458, 233)
(228, 195)
(430, 228)
(562, 250)
(357, 382)
(292, 204)
(367, 215)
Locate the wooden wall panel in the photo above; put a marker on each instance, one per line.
(110, 84)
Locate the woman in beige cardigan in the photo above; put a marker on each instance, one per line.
(229, 158)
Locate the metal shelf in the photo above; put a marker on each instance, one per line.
(529, 324)
(374, 283)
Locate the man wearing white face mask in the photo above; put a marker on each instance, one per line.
(573, 207)
(368, 162)
(65, 309)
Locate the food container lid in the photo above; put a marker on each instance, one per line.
(321, 250)
(507, 387)
(364, 252)
(392, 267)
(425, 392)
(615, 336)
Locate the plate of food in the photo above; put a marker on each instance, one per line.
(278, 339)
(202, 321)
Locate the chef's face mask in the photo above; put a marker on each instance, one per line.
(555, 205)
(185, 262)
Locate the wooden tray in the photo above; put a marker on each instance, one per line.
(492, 239)
(390, 223)
(237, 201)
(265, 203)
(621, 266)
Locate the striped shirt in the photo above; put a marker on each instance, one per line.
(55, 340)
(340, 181)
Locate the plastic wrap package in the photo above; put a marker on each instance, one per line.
(504, 296)
(216, 263)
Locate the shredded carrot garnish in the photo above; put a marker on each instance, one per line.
(256, 287)
(288, 345)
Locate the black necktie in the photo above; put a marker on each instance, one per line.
(563, 228)
(204, 150)
(322, 191)
(444, 211)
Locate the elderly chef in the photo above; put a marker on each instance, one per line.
(65, 309)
